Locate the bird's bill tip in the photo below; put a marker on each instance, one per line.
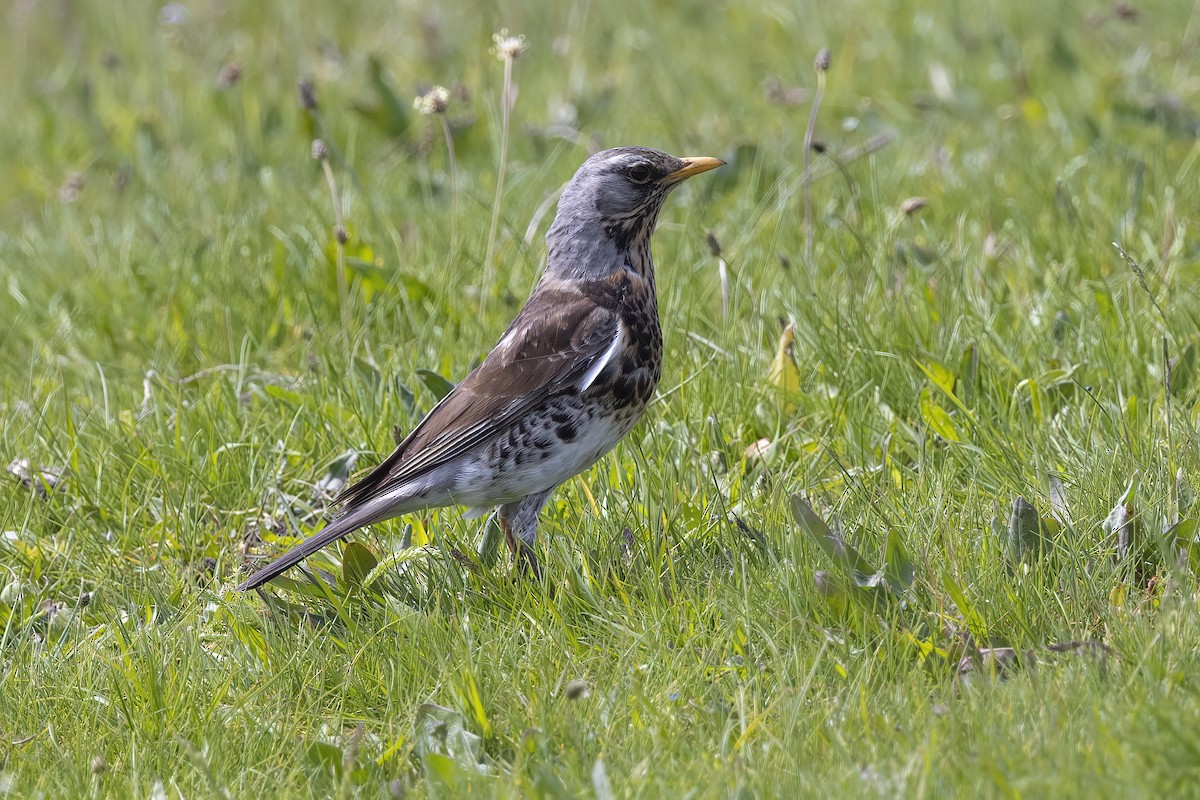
(693, 165)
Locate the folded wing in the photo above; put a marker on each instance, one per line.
(559, 343)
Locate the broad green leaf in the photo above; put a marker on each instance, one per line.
(435, 383)
(842, 594)
(284, 395)
(834, 589)
(407, 399)
(834, 545)
(366, 371)
(358, 562)
(303, 587)
(783, 372)
(899, 566)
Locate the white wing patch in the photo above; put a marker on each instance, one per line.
(603, 361)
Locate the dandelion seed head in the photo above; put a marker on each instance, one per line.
(433, 101)
(508, 48)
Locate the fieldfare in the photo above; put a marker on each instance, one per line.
(571, 375)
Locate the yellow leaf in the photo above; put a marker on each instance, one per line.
(470, 691)
(937, 419)
(421, 536)
(940, 375)
(783, 371)
(1033, 110)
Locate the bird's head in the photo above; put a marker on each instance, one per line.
(613, 201)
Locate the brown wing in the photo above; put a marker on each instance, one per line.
(549, 348)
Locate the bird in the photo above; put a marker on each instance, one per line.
(571, 375)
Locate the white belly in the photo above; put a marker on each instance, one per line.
(479, 484)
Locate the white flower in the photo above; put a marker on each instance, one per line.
(507, 47)
(432, 101)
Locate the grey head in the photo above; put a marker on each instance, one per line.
(609, 209)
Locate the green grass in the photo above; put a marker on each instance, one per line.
(171, 340)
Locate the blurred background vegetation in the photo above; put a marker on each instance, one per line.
(181, 386)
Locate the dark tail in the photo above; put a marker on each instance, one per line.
(335, 530)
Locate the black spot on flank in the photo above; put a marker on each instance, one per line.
(623, 391)
(567, 432)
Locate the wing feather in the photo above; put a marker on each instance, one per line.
(559, 342)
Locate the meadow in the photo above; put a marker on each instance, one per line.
(913, 513)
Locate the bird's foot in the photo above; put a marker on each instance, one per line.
(525, 560)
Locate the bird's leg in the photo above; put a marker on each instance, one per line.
(508, 534)
(527, 560)
(520, 543)
(518, 520)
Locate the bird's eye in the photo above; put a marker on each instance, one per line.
(639, 173)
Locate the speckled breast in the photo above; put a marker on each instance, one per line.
(635, 374)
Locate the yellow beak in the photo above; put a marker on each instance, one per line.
(691, 166)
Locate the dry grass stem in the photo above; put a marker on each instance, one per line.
(320, 151)
(507, 49)
(821, 64)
